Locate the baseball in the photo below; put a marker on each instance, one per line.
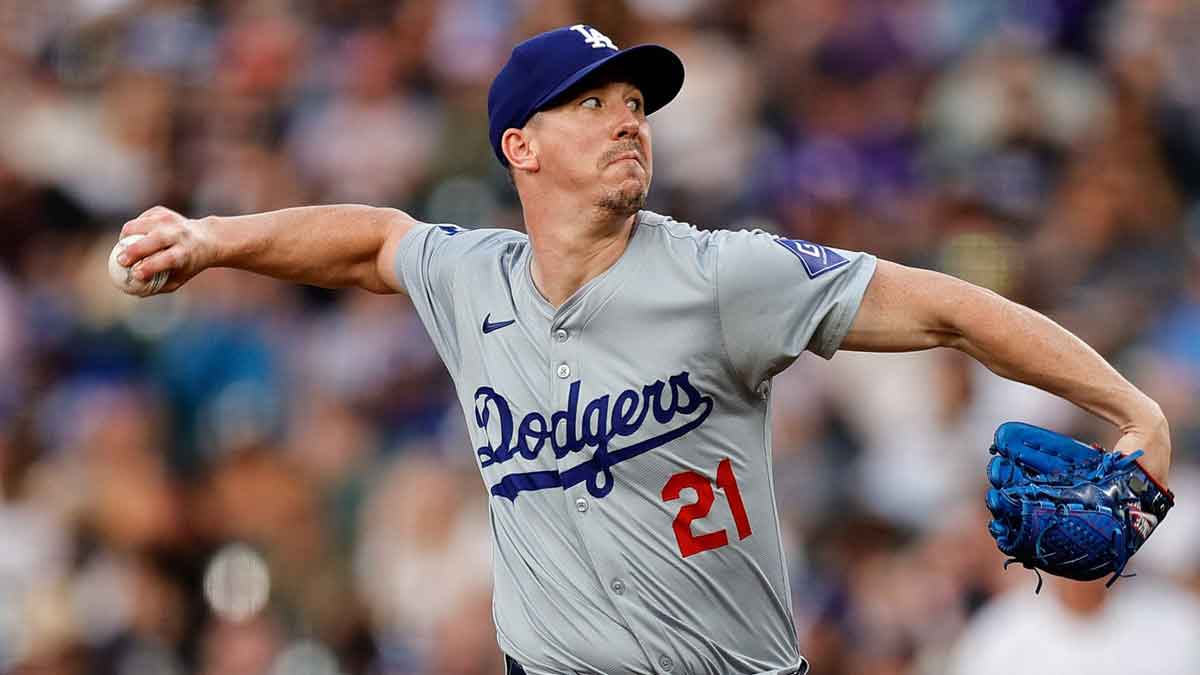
(123, 278)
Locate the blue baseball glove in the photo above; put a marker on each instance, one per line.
(1068, 508)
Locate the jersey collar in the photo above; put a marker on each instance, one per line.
(601, 288)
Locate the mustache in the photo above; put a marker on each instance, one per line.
(621, 148)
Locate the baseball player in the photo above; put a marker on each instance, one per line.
(614, 365)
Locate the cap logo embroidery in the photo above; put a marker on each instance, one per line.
(594, 37)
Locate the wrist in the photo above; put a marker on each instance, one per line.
(1140, 413)
(215, 247)
(1154, 435)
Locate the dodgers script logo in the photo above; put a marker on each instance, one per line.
(568, 431)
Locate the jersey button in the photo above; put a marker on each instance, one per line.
(560, 335)
(618, 587)
(564, 371)
(581, 505)
(666, 663)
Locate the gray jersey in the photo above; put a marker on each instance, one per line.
(624, 437)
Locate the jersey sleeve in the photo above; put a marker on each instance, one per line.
(427, 265)
(777, 297)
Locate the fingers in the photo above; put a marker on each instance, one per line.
(159, 210)
(149, 220)
(161, 260)
(169, 244)
(153, 242)
(139, 225)
(162, 228)
(173, 284)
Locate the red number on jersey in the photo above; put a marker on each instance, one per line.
(689, 543)
(729, 486)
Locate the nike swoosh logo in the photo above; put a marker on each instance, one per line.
(488, 326)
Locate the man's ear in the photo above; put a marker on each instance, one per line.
(519, 150)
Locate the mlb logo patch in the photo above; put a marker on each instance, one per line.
(816, 258)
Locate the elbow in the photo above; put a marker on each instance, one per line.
(1153, 415)
(378, 273)
(976, 316)
(373, 284)
(952, 340)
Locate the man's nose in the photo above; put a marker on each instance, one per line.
(628, 125)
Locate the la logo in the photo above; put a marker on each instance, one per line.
(594, 37)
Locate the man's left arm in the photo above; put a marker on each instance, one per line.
(908, 309)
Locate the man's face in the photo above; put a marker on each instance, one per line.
(598, 141)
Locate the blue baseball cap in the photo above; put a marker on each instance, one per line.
(544, 67)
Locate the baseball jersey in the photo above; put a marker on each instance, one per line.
(624, 437)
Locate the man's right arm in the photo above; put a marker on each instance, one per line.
(908, 309)
(334, 246)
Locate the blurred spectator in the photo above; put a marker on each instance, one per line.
(420, 526)
(1081, 627)
(372, 143)
(247, 648)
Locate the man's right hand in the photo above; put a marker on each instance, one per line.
(180, 246)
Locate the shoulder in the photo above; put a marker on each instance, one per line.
(671, 232)
(437, 253)
(682, 237)
(468, 236)
(458, 241)
(741, 248)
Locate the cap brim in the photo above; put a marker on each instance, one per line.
(653, 69)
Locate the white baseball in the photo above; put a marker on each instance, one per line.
(123, 277)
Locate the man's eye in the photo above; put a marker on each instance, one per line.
(590, 102)
(634, 104)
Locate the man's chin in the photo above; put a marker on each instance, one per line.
(624, 202)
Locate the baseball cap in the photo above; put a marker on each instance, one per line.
(544, 67)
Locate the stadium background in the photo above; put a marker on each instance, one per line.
(170, 465)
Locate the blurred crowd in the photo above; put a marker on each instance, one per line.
(248, 477)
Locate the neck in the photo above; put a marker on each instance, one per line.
(571, 250)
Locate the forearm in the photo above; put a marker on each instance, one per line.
(1020, 344)
(331, 246)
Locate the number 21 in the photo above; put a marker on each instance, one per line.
(689, 543)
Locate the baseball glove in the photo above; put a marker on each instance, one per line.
(1071, 509)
